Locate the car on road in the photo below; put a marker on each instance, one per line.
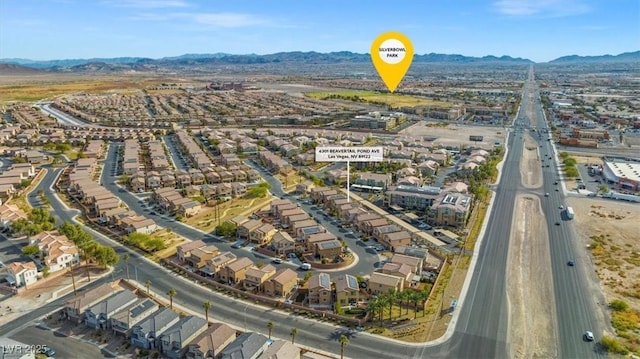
(571, 263)
(305, 266)
(588, 335)
(277, 261)
(546, 194)
(239, 244)
(557, 223)
(557, 190)
(561, 207)
(49, 352)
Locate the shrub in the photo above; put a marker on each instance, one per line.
(619, 305)
(612, 345)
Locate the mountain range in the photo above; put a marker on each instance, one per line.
(341, 57)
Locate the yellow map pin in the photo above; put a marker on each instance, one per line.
(392, 54)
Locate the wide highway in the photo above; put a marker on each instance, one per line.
(574, 299)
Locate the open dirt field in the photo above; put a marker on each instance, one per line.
(456, 135)
(530, 164)
(611, 228)
(532, 331)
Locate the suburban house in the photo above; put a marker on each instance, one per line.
(282, 243)
(183, 251)
(380, 283)
(123, 321)
(320, 291)
(399, 270)
(246, 345)
(244, 230)
(21, 274)
(394, 239)
(9, 213)
(415, 263)
(200, 256)
(57, 250)
(145, 334)
(282, 283)
(328, 249)
(347, 290)
(263, 234)
(217, 263)
(211, 342)
(175, 339)
(281, 349)
(98, 315)
(317, 238)
(76, 307)
(235, 271)
(255, 277)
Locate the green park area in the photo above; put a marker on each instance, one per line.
(379, 98)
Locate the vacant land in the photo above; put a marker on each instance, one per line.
(392, 100)
(530, 164)
(532, 331)
(40, 87)
(456, 135)
(609, 229)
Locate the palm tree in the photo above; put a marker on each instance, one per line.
(424, 295)
(171, 293)
(148, 285)
(207, 306)
(126, 261)
(270, 326)
(382, 300)
(405, 295)
(392, 295)
(294, 331)
(415, 298)
(343, 342)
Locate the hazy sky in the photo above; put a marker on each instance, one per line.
(540, 30)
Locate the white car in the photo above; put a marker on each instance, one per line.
(588, 335)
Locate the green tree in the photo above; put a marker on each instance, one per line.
(294, 332)
(270, 326)
(344, 341)
(46, 271)
(171, 293)
(257, 192)
(62, 147)
(337, 308)
(571, 172)
(603, 188)
(106, 256)
(226, 229)
(30, 250)
(207, 306)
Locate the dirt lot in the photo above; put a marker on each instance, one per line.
(532, 330)
(456, 135)
(530, 164)
(614, 226)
